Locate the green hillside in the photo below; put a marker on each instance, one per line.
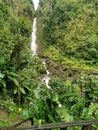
(67, 38)
(16, 19)
(70, 27)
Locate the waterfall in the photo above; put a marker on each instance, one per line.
(35, 2)
(46, 78)
(33, 42)
(34, 45)
(34, 37)
(34, 52)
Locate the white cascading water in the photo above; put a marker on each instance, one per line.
(35, 2)
(34, 37)
(34, 45)
(46, 78)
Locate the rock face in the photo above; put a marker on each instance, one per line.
(61, 71)
(54, 68)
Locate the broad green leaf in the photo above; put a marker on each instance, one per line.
(13, 74)
(14, 80)
(3, 83)
(2, 75)
(15, 91)
(22, 90)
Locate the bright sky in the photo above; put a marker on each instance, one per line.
(36, 2)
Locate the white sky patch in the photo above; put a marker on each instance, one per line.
(36, 2)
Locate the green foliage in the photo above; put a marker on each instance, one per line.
(69, 38)
(67, 100)
(77, 96)
(4, 123)
(68, 35)
(42, 106)
(71, 26)
(15, 31)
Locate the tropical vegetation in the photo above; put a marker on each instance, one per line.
(67, 38)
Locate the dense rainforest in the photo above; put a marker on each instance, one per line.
(67, 38)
